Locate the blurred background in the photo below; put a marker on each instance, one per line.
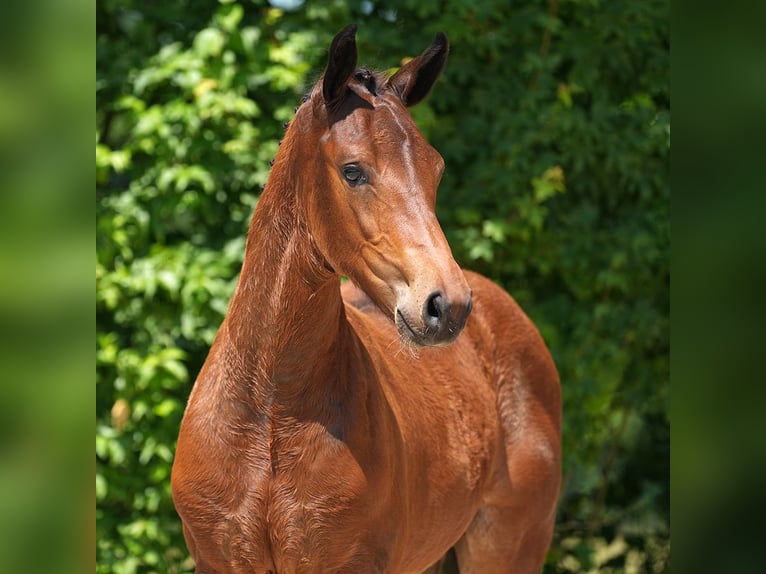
(553, 118)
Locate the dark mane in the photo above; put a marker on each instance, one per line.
(370, 79)
(373, 81)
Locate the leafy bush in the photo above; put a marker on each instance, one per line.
(553, 119)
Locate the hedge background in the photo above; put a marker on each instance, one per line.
(553, 118)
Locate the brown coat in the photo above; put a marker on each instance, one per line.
(367, 427)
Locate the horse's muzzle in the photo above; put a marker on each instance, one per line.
(441, 321)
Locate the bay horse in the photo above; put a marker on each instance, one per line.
(351, 426)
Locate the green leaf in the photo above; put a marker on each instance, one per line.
(209, 42)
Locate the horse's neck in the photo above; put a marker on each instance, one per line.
(286, 318)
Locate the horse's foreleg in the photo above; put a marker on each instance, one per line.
(496, 542)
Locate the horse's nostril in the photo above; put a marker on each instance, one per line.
(433, 305)
(444, 319)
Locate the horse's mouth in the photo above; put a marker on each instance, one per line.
(405, 329)
(422, 338)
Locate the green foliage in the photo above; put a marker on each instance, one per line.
(553, 120)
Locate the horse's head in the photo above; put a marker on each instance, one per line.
(372, 200)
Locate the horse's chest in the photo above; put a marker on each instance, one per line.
(320, 508)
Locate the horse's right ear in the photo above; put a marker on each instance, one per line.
(415, 79)
(341, 63)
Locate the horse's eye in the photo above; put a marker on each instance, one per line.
(354, 175)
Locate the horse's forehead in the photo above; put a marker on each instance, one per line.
(388, 126)
(395, 126)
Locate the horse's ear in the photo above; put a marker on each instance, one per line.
(415, 79)
(341, 63)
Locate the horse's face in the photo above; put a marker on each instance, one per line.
(372, 208)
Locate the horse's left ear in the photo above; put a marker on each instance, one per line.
(415, 79)
(341, 63)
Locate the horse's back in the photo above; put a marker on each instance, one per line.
(358, 299)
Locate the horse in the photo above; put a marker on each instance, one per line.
(366, 405)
